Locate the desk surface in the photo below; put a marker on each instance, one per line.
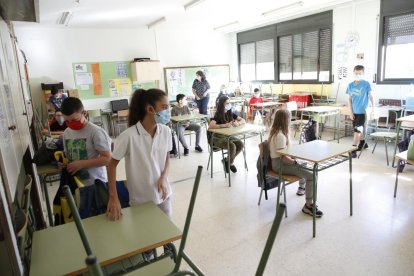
(266, 104)
(403, 156)
(320, 108)
(232, 131)
(59, 250)
(316, 151)
(409, 118)
(188, 117)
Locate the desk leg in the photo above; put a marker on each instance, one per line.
(396, 181)
(228, 159)
(337, 120)
(49, 210)
(350, 184)
(315, 179)
(244, 152)
(396, 142)
(211, 154)
(177, 125)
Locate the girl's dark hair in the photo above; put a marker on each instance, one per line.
(221, 114)
(201, 74)
(139, 102)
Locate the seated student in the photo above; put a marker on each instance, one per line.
(58, 124)
(87, 146)
(279, 139)
(223, 92)
(182, 109)
(57, 98)
(254, 100)
(225, 118)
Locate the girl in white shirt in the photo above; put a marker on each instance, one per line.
(279, 139)
(145, 145)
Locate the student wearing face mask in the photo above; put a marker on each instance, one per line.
(58, 124)
(254, 100)
(224, 118)
(359, 92)
(87, 146)
(145, 145)
(182, 109)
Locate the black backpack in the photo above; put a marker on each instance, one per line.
(308, 132)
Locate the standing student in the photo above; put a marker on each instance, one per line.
(359, 92)
(57, 98)
(182, 109)
(145, 145)
(201, 91)
(279, 139)
(225, 118)
(87, 146)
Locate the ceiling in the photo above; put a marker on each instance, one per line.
(207, 15)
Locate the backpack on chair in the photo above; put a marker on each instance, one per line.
(308, 132)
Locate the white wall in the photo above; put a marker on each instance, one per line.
(51, 51)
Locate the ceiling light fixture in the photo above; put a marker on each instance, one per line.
(192, 4)
(282, 8)
(64, 18)
(156, 22)
(226, 25)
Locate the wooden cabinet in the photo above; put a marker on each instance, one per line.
(146, 71)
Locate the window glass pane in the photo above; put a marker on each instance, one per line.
(247, 72)
(265, 71)
(399, 47)
(285, 58)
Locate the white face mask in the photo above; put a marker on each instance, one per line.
(60, 120)
(184, 102)
(358, 77)
(257, 95)
(227, 107)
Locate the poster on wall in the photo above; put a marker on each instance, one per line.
(84, 79)
(81, 68)
(120, 87)
(121, 70)
(96, 76)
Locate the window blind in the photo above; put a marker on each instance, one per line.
(399, 29)
(265, 51)
(247, 53)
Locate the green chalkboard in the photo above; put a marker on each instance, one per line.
(179, 80)
(110, 79)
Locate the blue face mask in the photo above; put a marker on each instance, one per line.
(163, 117)
(227, 107)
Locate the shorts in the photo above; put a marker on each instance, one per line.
(359, 121)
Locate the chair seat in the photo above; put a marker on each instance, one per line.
(161, 267)
(288, 178)
(384, 134)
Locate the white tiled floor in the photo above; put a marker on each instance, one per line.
(229, 229)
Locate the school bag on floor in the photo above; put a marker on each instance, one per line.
(308, 132)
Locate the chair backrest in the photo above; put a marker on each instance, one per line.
(123, 113)
(263, 162)
(94, 113)
(292, 106)
(119, 105)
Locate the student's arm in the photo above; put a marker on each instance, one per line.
(100, 161)
(371, 99)
(213, 124)
(162, 181)
(350, 107)
(239, 121)
(113, 210)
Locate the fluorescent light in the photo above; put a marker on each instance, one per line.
(296, 4)
(156, 22)
(226, 25)
(64, 18)
(192, 4)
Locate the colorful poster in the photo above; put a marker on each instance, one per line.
(120, 87)
(81, 68)
(96, 76)
(121, 70)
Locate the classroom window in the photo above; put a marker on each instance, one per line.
(257, 61)
(397, 59)
(305, 56)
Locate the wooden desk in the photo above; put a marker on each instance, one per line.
(403, 157)
(183, 119)
(322, 155)
(244, 131)
(316, 112)
(408, 121)
(45, 171)
(59, 250)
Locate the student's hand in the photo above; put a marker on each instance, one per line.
(61, 166)
(197, 98)
(235, 123)
(74, 166)
(113, 211)
(352, 116)
(225, 125)
(162, 187)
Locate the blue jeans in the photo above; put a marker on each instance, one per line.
(202, 105)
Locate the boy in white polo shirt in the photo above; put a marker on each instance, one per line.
(145, 145)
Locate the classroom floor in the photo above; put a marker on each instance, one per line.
(229, 230)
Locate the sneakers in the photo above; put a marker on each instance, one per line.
(354, 154)
(233, 168)
(173, 154)
(148, 256)
(186, 152)
(301, 191)
(308, 210)
(198, 149)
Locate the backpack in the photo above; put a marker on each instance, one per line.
(308, 132)
(264, 162)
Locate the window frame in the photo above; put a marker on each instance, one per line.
(382, 52)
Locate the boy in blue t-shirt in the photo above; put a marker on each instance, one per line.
(359, 92)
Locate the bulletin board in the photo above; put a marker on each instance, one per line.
(179, 80)
(105, 79)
